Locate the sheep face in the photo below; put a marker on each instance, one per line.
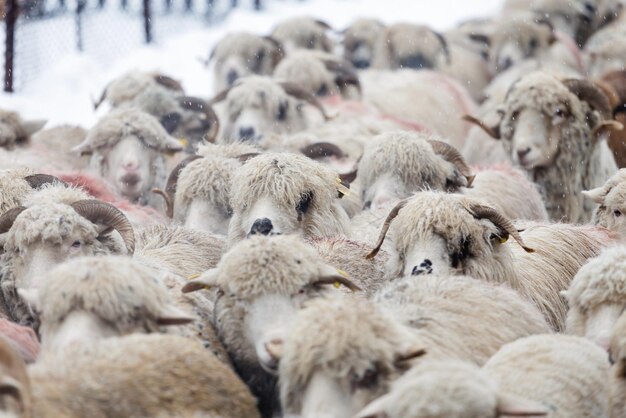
(409, 46)
(14, 130)
(322, 374)
(257, 107)
(264, 282)
(437, 233)
(611, 200)
(275, 194)
(516, 41)
(359, 40)
(130, 166)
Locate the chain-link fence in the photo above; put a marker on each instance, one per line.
(38, 33)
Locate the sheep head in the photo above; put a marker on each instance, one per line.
(611, 200)
(275, 194)
(127, 148)
(263, 281)
(258, 106)
(303, 33)
(397, 164)
(359, 40)
(460, 236)
(15, 131)
(341, 355)
(44, 235)
(242, 54)
(90, 298)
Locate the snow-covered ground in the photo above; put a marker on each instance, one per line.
(62, 92)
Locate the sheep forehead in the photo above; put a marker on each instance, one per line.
(256, 91)
(127, 122)
(616, 197)
(284, 178)
(233, 150)
(539, 90)
(114, 288)
(48, 223)
(56, 194)
(205, 177)
(258, 265)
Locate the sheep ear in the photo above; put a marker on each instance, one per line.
(597, 195)
(605, 128)
(513, 406)
(172, 145)
(376, 408)
(408, 354)
(84, 148)
(172, 315)
(207, 279)
(32, 126)
(31, 296)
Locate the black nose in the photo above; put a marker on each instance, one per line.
(506, 64)
(246, 134)
(416, 62)
(425, 267)
(361, 64)
(261, 226)
(231, 77)
(522, 153)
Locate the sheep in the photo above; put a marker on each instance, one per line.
(263, 281)
(341, 354)
(239, 54)
(198, 189)
(450, 389)
(617, 358)
(129, 86)
(127, 148)
(611, 201)
(146, 381)
(359, 40)
(433, 100)
(43, 235)
(319, 73)
(604, 51)
(567, 374)
(596, 297)
(280, 193)
(614, 85)
(397, 164)
(553, 129)
(256, 106)
(304, 33)
(465, 236)
(13, 187)
(15, 131)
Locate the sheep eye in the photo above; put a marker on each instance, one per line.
(617, 213)
(367, 381)
(76, 244)
(282, 111)
(534, 43)
(367, 204)
(305, 202)
(323, 90)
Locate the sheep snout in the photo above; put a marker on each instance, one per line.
(261, 226)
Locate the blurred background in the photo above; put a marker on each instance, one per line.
(58, 55)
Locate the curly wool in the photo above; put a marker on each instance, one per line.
(612, 197)
(116, 289)
(56, 193)
(13, 188)
(285, 178)
(306, 69)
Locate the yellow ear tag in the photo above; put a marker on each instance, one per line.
(342, 273)
(193, 276)
(341, 188)
(183, 141)
(503, 240)
(337, 285)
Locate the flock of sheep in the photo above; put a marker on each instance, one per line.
(383, 222)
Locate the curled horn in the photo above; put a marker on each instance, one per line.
(199, 105)
(444, 45)
(493, 132)
(221, 96)
(172, 182)
(485, 212)
(103, 96)
(345, 74)
(323, 24)
(37, 180)
(338, 279)
(8, 217)
(589, 92)
(106, 214)
(383, 232)
(297, 92)
(452, 155)
(278, 51)
(322, 149)
(168, 82)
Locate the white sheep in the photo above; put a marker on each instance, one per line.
(611, 201)
(303, 33)
(597, 297)
(239, 54)
(146, 381)
(465, 236)
(127, 148)
(359, 40)
(617, 357)
(553, 129)
(263, 281)
(281, 193)
(16, 131)
(341, 354)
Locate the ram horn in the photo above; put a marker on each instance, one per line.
(503, 224)
(35, 181)
(168, 82)
(198, 105)
(383, 232)
(493, 132)
(452, 155)
(345, 74)
(297, 92)
(102, 213)
(172, 183)
(591, 93)
(337, 280)
(319, 150)
(8, 217)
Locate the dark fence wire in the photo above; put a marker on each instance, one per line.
(39, 31)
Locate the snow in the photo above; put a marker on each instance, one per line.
(58, 84)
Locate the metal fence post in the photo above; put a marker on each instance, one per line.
(258, 5)
(80, 7)
(12, 13)
(147, 20)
